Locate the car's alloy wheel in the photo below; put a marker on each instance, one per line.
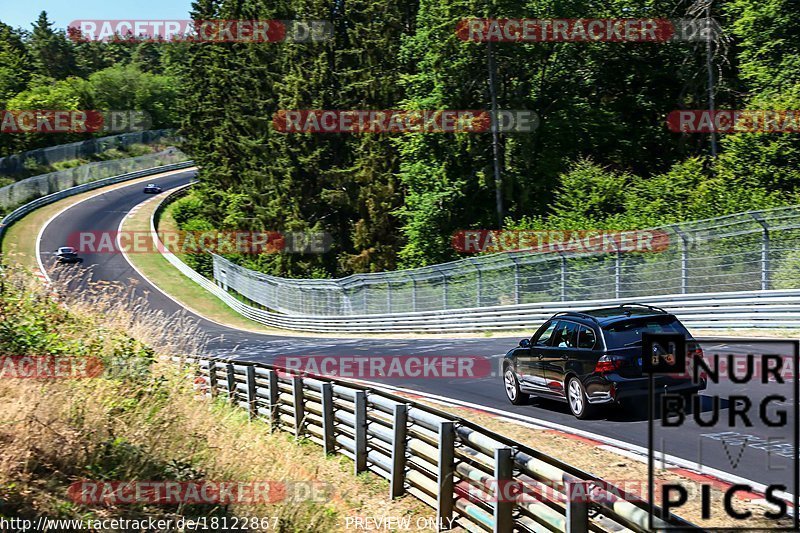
(515, 395)
(576, 398)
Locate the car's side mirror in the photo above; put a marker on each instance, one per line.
(525, 343)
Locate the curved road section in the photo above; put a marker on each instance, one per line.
(748, 457)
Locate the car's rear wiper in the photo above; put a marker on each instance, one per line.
(631, 343)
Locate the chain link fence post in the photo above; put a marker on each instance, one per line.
(764, 249)
(684, 258)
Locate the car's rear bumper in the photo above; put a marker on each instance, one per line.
(615, 388)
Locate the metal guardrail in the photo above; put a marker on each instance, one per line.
(50, 198)
(737, 309)
(751, 251)
(463, 471)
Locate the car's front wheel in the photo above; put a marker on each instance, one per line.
(579, 406)
(515, 395)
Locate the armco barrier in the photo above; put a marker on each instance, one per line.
(50, 198)
(450, 464)
(741, 309)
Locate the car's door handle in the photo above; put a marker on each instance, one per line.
(565, 357)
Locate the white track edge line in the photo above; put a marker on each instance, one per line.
(514, 417)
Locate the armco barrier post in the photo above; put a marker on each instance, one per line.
(328, 420)
(274, 397)
(299, 407)
(398, 474)
(446, 471)
(252, 398)
(231, 375)
(503, 475)
(212, 377)
(577, 507)
(360, 431)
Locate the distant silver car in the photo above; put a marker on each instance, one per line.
(67, 255)
(152, 188)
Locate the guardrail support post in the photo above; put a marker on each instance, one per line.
(413, 295)
(361, 431)
(252, 399)
(577, 507)
(231, 375)
(328, 420)
(212, 377)
(299, 407)
(398, 473)
(388, 297)
(445, 474)
(617, 274)
(563, 277)
(503, 476)
(274, 398)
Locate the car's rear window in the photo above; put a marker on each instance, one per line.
(630, 332)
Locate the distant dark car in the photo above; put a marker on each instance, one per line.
(66, 254)
(152, 188)
(593, 358)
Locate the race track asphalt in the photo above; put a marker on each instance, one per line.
(749, 459)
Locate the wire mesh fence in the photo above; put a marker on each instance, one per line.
(15, 163)
(37, 186)
(750, 251)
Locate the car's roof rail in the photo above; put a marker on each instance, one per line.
(576, 313)
(652, 307)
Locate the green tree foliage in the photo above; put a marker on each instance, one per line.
(53, 55)
(45, 70)
(601, 156)
(15, 63)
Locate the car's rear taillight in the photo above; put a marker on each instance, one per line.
(609, 363)
(694, 354)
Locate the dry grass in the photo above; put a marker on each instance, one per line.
(627, 473)
(146, 422)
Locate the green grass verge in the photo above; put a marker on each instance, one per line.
(167, 278)
(19, 243)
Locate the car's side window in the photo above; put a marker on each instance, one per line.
(587, 339)
(566, 335)
(544, 337)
